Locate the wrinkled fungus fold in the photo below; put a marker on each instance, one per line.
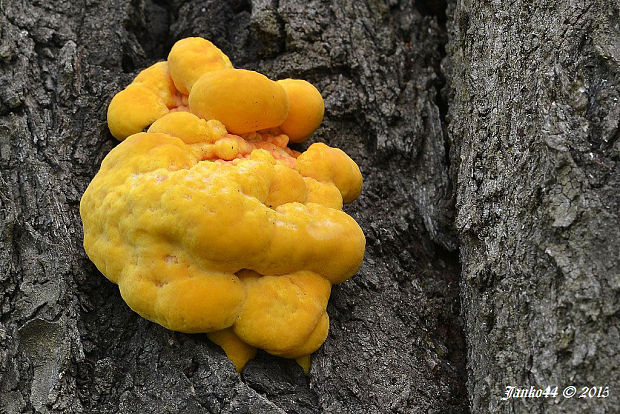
(208, 221)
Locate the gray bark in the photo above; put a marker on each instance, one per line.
(533, 123)
(488, 140)
(68, 343)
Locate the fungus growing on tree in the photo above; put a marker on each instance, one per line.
(208, 222)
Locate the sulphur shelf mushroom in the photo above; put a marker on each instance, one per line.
(208, 221)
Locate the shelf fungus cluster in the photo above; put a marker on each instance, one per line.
(207, 221)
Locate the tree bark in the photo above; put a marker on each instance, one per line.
(69, 344)
(533, 122)
(488, 140)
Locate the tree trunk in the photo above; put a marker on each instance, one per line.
(533, 124)
(490, 156)
(69, 344)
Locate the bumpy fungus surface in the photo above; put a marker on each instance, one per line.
(243, 100)
(208, 222)
(305, 110)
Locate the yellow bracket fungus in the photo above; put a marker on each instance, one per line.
(192, 57)
(306, 109)
(245, 101)
(208, 222)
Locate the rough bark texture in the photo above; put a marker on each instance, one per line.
(68, 343)
(534, 129)
(490, 154)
